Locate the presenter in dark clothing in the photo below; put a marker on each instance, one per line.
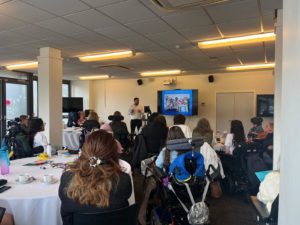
(136, 111)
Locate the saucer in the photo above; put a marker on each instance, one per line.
(54, 180)
(26, 181)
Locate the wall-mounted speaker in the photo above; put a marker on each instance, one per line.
(139, 82)
(211, 79)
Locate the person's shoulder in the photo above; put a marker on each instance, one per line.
(125, 166)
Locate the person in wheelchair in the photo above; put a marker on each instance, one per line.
(166, 157)
(185, 168)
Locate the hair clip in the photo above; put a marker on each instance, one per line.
(97, 161)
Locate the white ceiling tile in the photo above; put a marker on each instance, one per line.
(240, 27)
(61, 42)
(9, 38)
(162, 55)
(34, 31)
(188, 19)
(100, 3)
(152, 26)
(269, 6)
(217, 52)
(251, 55)
(90, 37)
(59, 7)
(116, 32)
(62, 26)
(24, 11)
(7, 23)
(168, 38)
(128, 11)
(91, 19)
(270, 54)
(269, 22)
(200, 33)
(140, 43)
(235, 11)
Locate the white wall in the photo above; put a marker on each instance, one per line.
(83, 89)
(118, 94)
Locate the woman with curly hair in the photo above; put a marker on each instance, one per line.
(96, 181)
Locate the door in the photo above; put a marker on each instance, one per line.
(234, 106)
(14, 100)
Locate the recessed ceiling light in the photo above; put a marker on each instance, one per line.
(106, 56)
(251, 67)
(160, 73)
(237, 40)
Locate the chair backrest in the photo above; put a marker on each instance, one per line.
(124, 216)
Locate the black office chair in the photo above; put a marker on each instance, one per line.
(124, 216)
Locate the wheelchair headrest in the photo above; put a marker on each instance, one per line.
(179, 166)
(184, 144)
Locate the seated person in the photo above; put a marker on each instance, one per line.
(72, 119)
(269, 189)
(267, 146)
(155, 134)
(37, 138)
(81, 118)
(96, 182)
(106, 127)
(179, 121)
(235, 137)
(92, 121)
(166, 157)
(24, 124)
(203, 131)
(117, 125)
(256, 128)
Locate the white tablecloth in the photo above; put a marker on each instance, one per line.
(37, 203)
(71, 138)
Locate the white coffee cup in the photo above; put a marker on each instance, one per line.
(23, 178)
(48, 178)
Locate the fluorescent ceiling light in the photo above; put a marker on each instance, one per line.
(160, 73)
(29, 65)
(94, 77)
(106, 56)
(237, 40)
(251, 67)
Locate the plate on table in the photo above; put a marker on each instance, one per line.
(54, 180)
(31, 179)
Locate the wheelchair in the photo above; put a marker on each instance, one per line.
(165, 206)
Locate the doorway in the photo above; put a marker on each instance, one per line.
(234, 106)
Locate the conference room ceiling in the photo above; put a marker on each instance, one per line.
(162, 39)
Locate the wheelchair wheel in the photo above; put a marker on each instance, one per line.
(155, 218)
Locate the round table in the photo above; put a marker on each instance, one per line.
(37, 203)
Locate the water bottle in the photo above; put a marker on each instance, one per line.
(49, 150)
(4, 161)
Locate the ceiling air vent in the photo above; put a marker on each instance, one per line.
(113, 68)
(184, 4)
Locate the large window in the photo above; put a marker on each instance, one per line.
(16, 100)
(66, 90)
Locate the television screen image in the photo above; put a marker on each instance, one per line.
(172, 102)
(265, 105)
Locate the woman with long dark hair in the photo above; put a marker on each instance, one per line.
(235, 137)
(37, 138)
(166, 157)
(203, 130)
(96, 182)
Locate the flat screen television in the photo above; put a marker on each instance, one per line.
(265, 105)
(173, 102)
(72, 104)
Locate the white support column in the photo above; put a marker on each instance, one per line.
(278, 91)
(50, 93)
(289, 201)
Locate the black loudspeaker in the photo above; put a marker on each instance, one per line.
(139, 82)
(211, 79)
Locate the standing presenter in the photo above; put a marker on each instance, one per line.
(136, 111)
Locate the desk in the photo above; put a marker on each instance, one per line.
(37, 203)
(71, 138)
